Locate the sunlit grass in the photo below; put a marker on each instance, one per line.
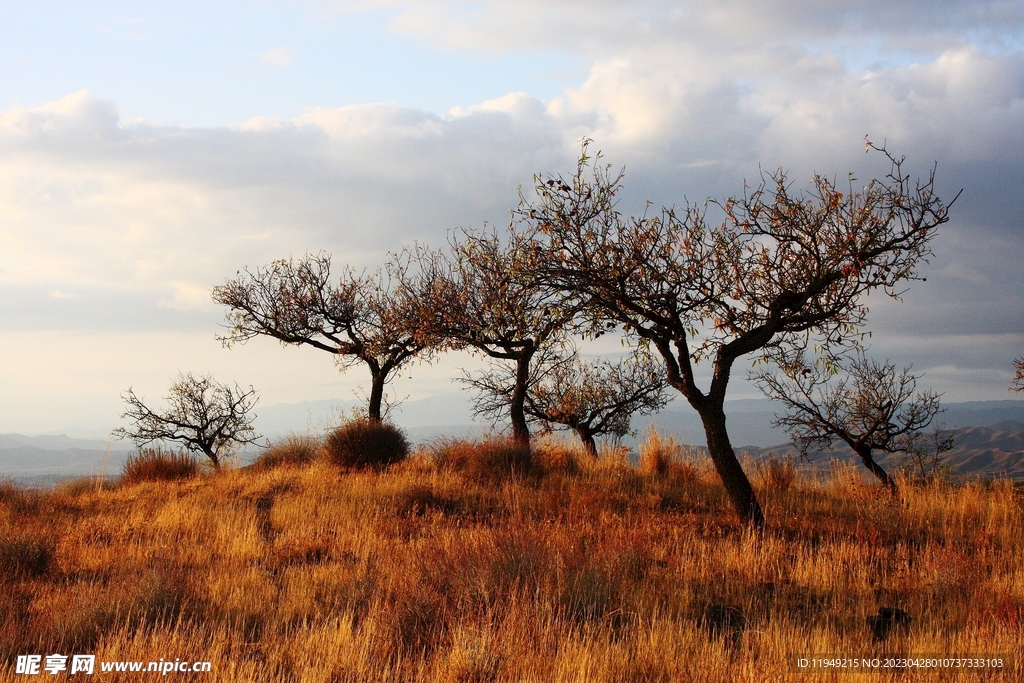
(559, 568)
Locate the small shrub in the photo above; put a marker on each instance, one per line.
(293, 450)
(157, 464)
(489, 459)
(366, 443)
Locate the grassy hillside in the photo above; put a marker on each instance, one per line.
(457, 566)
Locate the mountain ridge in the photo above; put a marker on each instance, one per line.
(992, 441)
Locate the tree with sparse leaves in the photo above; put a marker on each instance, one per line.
(869, 406)
(358, 318)
(492, 302)
(1018, 379)
(592, 398)
(204, 415)
(781, 270)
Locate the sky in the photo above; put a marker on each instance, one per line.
(149, 151)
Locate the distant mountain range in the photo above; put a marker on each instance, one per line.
(996, 451)
(991, 443)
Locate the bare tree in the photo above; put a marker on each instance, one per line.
(487, 298)
(870, 406)
(206, 416)
(592, 398)
(925, 452)
(782, 269)
(1018, 379)
(358, 318)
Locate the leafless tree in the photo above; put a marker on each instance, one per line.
(592, 398)
(868, 405)
(1018, 379)
(206, 416)
(358, 318)
(781, 270)
(487, 298)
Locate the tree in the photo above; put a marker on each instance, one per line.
(1018, 380)
(360, 319)
(487, 298)
(204, 415)
(782, 270)
(870, 406)
(591, 398)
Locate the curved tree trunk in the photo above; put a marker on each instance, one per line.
(517, 410)
(865, 455)
(212, 455)
(737, 486)
(587, 437)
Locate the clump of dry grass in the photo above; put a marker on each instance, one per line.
(20, 500)
(776, 474)
(490, 459)
(430, 571)
(555, 456)
(159, 464)
(658, 454)
(25, 553)
(297, 449)
(366, 443)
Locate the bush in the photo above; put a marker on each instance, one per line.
(157, 464)
(366, 443)
(489, 459)
(293, 450)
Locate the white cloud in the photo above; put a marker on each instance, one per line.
(283, 56)
(124, 226)
(188, 296)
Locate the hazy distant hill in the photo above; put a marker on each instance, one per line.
(992, 441)
(996, 451)
(41, 460)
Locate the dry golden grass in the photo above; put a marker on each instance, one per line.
(568, 570)
(297, 449)
(158, 464)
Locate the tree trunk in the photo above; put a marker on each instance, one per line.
(737, 486)
(376, 396)
(212, 455)
(517, 411)
(587, 437)
(865, 455)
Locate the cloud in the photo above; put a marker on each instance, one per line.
(114, 227)
(744, 27)
(283, 56)
(91, 203)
